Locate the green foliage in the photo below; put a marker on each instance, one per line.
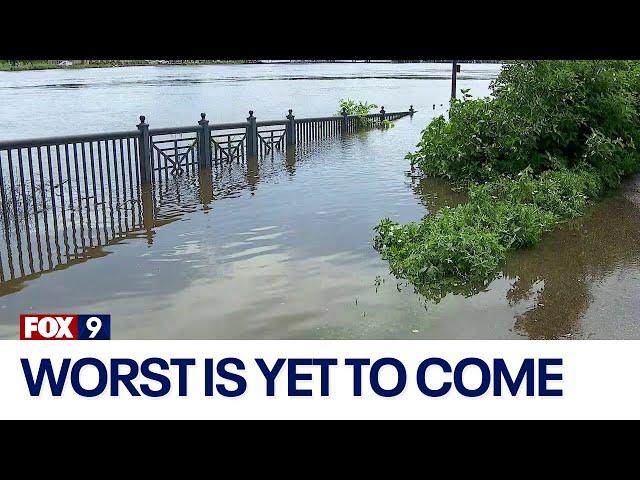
(466, 244)
(21, 65)
(361, 109)
(540, 115)
(16, 65)
(351, 107)
(552, 136)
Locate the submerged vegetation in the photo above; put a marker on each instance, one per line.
(361, 109)
(552, 136)
(352, 107)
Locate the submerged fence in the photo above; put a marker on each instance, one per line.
(62, 196)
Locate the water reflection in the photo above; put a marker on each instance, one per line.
(262, 269)
(282, 247)
(81, 240)
(435, 193)
(108, 223)
(557, 278)
(290, 161)
(550, 290)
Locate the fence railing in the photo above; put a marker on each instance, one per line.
(173, 149)
(61, 195)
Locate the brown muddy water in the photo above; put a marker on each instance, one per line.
(282, 248)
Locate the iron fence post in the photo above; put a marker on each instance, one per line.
(344, 120)
(291, 129)
(454, 72)
(382, 112)
(252, 135)
(204, 142)
(144, 146)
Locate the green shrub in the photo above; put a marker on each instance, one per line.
(541, 115)
(466, 244)
(552, 136)
(351, 107)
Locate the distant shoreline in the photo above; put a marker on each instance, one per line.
(6, 66)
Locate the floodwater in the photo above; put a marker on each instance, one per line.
(282, 248)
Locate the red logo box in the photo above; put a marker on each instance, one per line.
(49, 326)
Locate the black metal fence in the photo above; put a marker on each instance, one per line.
(61, 196)
(58, 189)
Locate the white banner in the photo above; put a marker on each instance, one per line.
(182, 379)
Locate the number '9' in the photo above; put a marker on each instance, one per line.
(94, 324)
(94, 327)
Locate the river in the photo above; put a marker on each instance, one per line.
(284, 250)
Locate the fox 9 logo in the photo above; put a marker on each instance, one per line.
(65, 326)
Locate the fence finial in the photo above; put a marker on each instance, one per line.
(251, 113)
(142, 119)
(203, 115)
(344, 110)
(411, 108)
(290, 111)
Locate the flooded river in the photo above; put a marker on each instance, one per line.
(282, 248)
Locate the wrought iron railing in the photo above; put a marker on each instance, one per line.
(62, 196)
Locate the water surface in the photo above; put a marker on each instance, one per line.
(282, 248)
